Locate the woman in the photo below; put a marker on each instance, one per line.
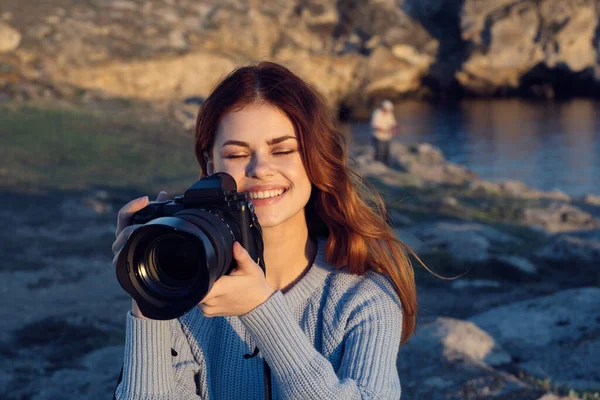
(339, 295)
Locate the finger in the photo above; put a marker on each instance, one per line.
(208, 311)
(116, 257)
(212, 302)
(245, 263)
(125, 213)
(241, 254)
(123, 237)
(162, 196)
(217, 290)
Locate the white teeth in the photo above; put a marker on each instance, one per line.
(266, 194)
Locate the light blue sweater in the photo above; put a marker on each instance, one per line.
(332, 335)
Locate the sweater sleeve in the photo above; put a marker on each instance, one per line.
(370, 348)
(149, 370)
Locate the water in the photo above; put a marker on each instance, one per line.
(548, 146)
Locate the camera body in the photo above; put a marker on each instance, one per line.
(216, 192)
(171, 262)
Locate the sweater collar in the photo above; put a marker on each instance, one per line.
(314, 279)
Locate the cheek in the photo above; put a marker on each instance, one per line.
(235, 169)
(299, 177)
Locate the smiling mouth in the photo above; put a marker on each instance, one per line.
(266, 194)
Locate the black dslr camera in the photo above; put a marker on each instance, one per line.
(169, 264)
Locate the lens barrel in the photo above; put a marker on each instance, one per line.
(169, 264)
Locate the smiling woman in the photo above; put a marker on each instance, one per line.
(257, 145)
(338, 297)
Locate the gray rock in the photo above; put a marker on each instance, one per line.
(514, 189)
(447, 356)
(463, 340)
(474, 283)
(96, 377)
(123, 5)
(10, 38)
(559, 217)
(591, 199)
(556, 336)
(400, 219)
(521, 264)
(464, 241)
(428, 164)
(551, 396)
(571, 248)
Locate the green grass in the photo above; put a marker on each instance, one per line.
(75, 149)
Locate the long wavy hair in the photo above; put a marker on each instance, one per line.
(342, 207)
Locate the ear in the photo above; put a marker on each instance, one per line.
(210, 166)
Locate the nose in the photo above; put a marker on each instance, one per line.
(259, 167)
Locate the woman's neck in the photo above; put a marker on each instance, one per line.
(288, 250)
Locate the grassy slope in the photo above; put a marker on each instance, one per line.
(75, 149)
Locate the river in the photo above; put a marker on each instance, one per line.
(547, 145)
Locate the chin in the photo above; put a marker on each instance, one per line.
(269, 221)
(273, 219)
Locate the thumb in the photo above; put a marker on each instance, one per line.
(242, 258)
(162, 196)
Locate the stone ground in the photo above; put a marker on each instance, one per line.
(65, 313)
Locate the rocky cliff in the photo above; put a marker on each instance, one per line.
(355, 51)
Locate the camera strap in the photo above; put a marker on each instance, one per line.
(266, 372)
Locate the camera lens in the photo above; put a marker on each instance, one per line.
(174, 257)
(171, 263)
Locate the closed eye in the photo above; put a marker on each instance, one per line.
(283, 153)
(236, 156)
(276, 153)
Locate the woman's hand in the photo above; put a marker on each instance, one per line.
(241, 291)
(125, 229)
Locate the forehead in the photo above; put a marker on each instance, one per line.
(253, 124)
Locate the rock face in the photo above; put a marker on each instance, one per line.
(354, 52)
(9, 38)
(529, 45)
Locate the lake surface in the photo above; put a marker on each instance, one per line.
(546, 145)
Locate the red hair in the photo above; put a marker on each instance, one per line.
(341, 207)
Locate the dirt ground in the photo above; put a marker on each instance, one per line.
(64, 310)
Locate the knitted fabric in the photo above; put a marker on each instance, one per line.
(332, 335)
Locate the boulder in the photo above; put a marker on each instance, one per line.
(10, 38)
(559, 217)
(571, 248)
(428, 164)
(463, 241)
(591, 199)
(555, 336)
(448, 356)
(521, 264)
(514, 189)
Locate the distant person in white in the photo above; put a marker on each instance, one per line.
(384, 127)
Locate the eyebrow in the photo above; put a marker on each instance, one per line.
(269, 142)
